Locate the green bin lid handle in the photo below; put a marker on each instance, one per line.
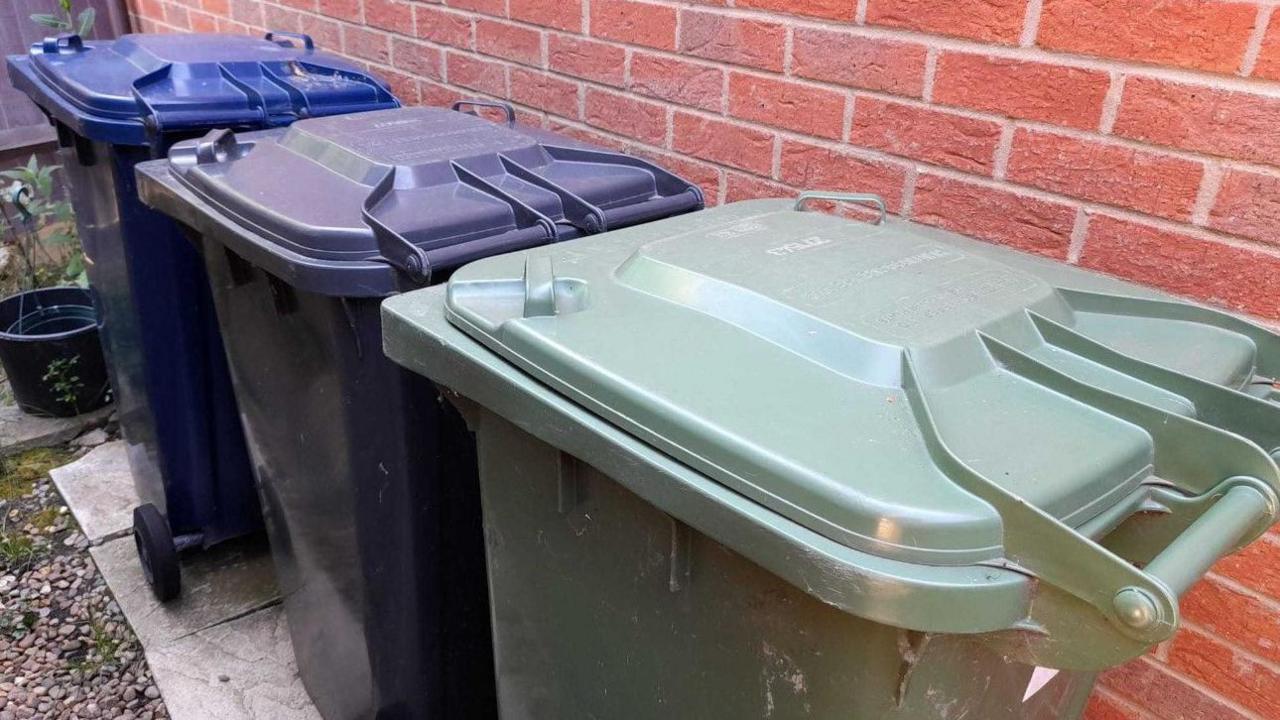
(859, 198)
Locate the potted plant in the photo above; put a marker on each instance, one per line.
(48, 329)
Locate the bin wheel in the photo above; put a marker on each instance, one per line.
(156, 552)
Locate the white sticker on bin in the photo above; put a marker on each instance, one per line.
(1039, 678)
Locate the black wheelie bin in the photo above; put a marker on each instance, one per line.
(367, 477)
(116, 104)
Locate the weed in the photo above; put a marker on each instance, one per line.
(60, 376)
(45, 519)
(17, 551)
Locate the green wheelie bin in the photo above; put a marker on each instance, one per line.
(766, 462)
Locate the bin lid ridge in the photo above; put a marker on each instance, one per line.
(792, 333)
(124, 91)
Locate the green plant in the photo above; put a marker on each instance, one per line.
(62, 19)
(19, 473)
(33, 221)
(60, 376)
(17, 551)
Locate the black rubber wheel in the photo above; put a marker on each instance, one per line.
(156, 552)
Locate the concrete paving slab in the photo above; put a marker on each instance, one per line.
(243, 669)
(20, 432)
(228, 581)
(98, 488)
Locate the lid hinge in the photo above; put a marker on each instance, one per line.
(394, 248)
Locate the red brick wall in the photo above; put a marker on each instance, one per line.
(1138, 137)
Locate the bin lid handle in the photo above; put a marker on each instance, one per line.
(805, 197)
(286, 35)
(65, 41)
(505, 107)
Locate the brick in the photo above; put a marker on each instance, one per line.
(997, 21)
(177, 16)
(203, 23)
(724, 142)
(1248, 204)
(545, 92)
(1105, 172)
(680, 81)
(1103, 707)
(714, 36)
(786, 104)
(860, 62)
(589, 136)
(442, 26)
(815, 167)
(587, 59)
(432, 93)
(509, 41)
(636, 23)
(326, 33)
(279, 18)
(1238, 278)
(307, 5)
(417, 58)
(389, 15)
(485, 76)
(559, 14)
(624, 115)
(834, 9)
(250, 11)
(216, 7)
(1034, 91)
(996, 214)
(496, 8)
(403, 85)
(1200, 118)
(925, 134)
(1235, 675)
(746, 187)
(349, 10)
(1185, 33)
(1268, 64)
(1162, 695)
(366, 44)
(706, 177)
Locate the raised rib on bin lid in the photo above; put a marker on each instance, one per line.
(421, 189)
(125, 91)
(906, 394)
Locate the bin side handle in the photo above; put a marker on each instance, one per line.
(505, 107)
(805, 197)
(307, 42)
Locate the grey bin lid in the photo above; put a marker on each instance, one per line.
(831, 369)
(330, 203)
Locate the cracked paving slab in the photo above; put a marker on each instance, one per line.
(238, 670)
(20, 432)
(99, 490)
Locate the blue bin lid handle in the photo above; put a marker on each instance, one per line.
(66, 41)
(307, 42)
(503, 106)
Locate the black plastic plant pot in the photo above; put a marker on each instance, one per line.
(50, 352)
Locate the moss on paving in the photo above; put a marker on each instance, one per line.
(18, 474)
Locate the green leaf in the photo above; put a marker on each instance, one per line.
(86, 21)
(50, 21)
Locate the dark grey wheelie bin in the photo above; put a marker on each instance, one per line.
(758, 462)
(122, 102)
(367, 477)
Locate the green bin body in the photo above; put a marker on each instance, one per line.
(762, 462)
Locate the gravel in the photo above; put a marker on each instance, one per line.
(66, 651)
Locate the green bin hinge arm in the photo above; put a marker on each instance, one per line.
(1094, 609)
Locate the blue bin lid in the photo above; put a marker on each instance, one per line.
(133, 90)
(356, 205)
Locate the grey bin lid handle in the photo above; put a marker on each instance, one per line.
(307, 42)
(65, 41)
(503, 106)
(215, 146)
(858, 198)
